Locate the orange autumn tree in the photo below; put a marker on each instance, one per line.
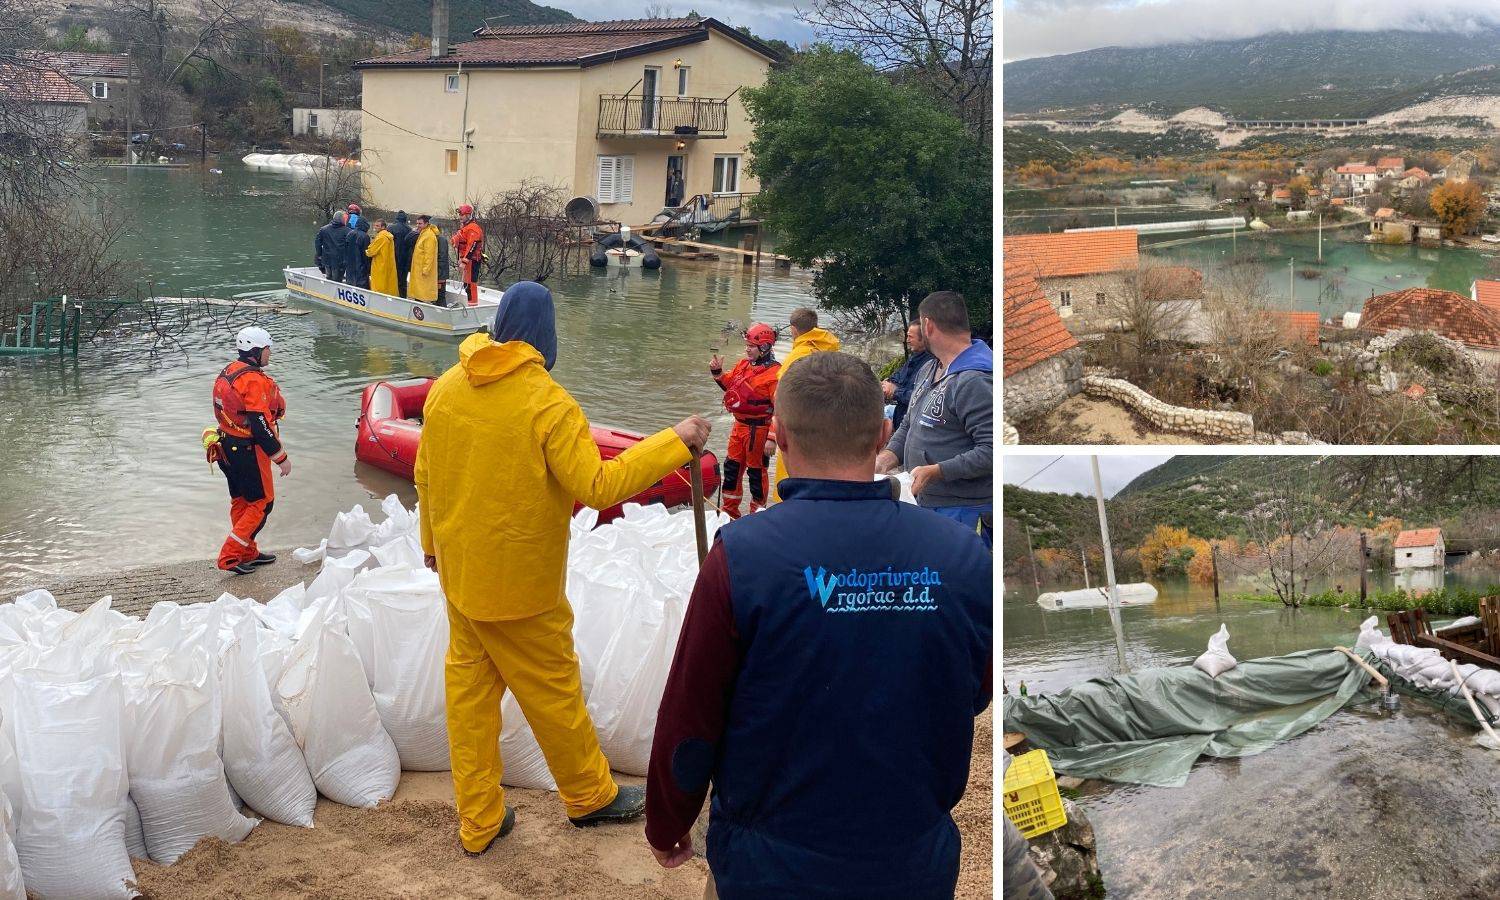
(1458, 205)
(1162, 545)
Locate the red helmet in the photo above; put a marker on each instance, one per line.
(354, 207)
(762, 335)
(466, 210)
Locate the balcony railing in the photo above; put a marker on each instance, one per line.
(621, 115)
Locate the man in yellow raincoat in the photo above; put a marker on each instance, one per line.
(807, 339)
(382, 254)
(505, 452)
(422, 283)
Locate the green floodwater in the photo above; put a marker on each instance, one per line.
(102, 466)
(1350, 272)
(1052, 650)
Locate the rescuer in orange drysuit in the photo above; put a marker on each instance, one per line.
(468, 243)
(248, 405)
(749, 389)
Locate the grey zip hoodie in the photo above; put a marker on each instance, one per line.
(951, 422)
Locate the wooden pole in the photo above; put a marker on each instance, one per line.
(1363, 565)
(1213, 557)
(700, 525)
(1379, 678)
(1031, 555)
(202, 142)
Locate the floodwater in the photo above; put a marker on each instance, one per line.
(1349, 273)
(1370, 803)
(102, 465)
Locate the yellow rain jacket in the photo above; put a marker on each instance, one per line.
(505, 451)
(815, 341)
(382, 253)
(422, 284)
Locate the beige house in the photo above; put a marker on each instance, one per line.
(104, 77)
(639, 114)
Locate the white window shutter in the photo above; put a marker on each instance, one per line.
(625, 189)
(607, 179)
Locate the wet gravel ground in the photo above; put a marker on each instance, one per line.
(1370, 804)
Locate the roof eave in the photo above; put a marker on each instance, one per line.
(599, 59)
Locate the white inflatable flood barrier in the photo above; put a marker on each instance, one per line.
(1138, 594)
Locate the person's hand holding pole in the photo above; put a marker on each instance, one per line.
(694, 432)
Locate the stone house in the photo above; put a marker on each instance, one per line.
(1358, 177)
(1419, 548)
(1448, 314)
(1043, 362)
(1461, 167)
(1413, 179)
(104, 77)
(1389, 166)
(58, 107)
(1080, 272)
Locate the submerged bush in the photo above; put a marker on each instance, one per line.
(1454, 601)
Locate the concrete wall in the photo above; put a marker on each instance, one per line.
(1419, 557)
(111, 109)
(542, 123)
(1036, 391)
(331, 122)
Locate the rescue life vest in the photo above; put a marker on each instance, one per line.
(229, 403)
(749, 394)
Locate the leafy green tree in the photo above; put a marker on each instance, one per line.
(885, 191)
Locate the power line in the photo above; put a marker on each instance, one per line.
(1039, 471)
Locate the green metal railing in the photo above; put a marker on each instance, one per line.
(51, 325)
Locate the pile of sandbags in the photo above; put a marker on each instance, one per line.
(125, 737)
(1426, 668)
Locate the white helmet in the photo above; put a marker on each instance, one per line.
(252, 338)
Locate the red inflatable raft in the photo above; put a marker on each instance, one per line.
(390, 427)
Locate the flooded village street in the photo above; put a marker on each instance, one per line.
(103, 461)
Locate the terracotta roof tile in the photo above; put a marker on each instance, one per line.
(1281, 192)
(1385, 212)
(1357, 169)
(1391, 162)
(1447, 313)
(81, 65)
(566, 44)
(1419, 174)
(36, 83)
(1488, 293)
(1419, 537)
(1297, 327)
(1075, 253)
(1033, 331)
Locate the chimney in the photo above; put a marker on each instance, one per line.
(439, 28)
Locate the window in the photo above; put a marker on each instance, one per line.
(451, 85)
(451, 161)
(727, 174)
(616, 179)
(1099, 298)
(101, 90)
(1065, 299)
(312, 121)
(682, 80)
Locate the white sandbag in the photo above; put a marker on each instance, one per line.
(336, 575)
(333, 716)
(404, 550)
(350, 530)
(1217, 659)
(398, 522)
(70, 836)
(12, 887)
(309, 555)
(409, 621)
(261, 759)
(176, 777)
(520, 755)
(1369, 634)
(135, 834)
(1462, 622)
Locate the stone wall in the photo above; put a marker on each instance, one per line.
(1223, 426)
(1009, 436)
(1035, 391)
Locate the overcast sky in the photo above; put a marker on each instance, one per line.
(1072, 474)
(1047, 27)
(767, 18)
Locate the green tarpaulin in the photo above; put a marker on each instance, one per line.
(1149, 727)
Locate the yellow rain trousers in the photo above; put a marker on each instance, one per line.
(806, 344)
(505, 451)
(382, 254)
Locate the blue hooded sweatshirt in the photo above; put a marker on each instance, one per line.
(950, 422)
(527, 314)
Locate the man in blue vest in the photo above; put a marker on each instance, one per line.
(833, 657)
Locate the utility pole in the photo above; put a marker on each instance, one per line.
(1031, 556)
(1213, 557)
(1083, 554)
(1291, 279)
(202, 142)
(321, 66)
(1109, 570)
(1363, 564)
(1320, 237)
(129, 104)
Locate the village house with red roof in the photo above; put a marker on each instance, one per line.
(59, 106)
(639, 114)
(1043, 362)
(1419, 548)
(1448, 314)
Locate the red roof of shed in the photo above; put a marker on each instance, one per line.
(1033, 331)
(1419, 537)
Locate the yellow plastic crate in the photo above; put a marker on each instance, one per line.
(1032, 800)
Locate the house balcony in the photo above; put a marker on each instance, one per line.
(677, 118)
